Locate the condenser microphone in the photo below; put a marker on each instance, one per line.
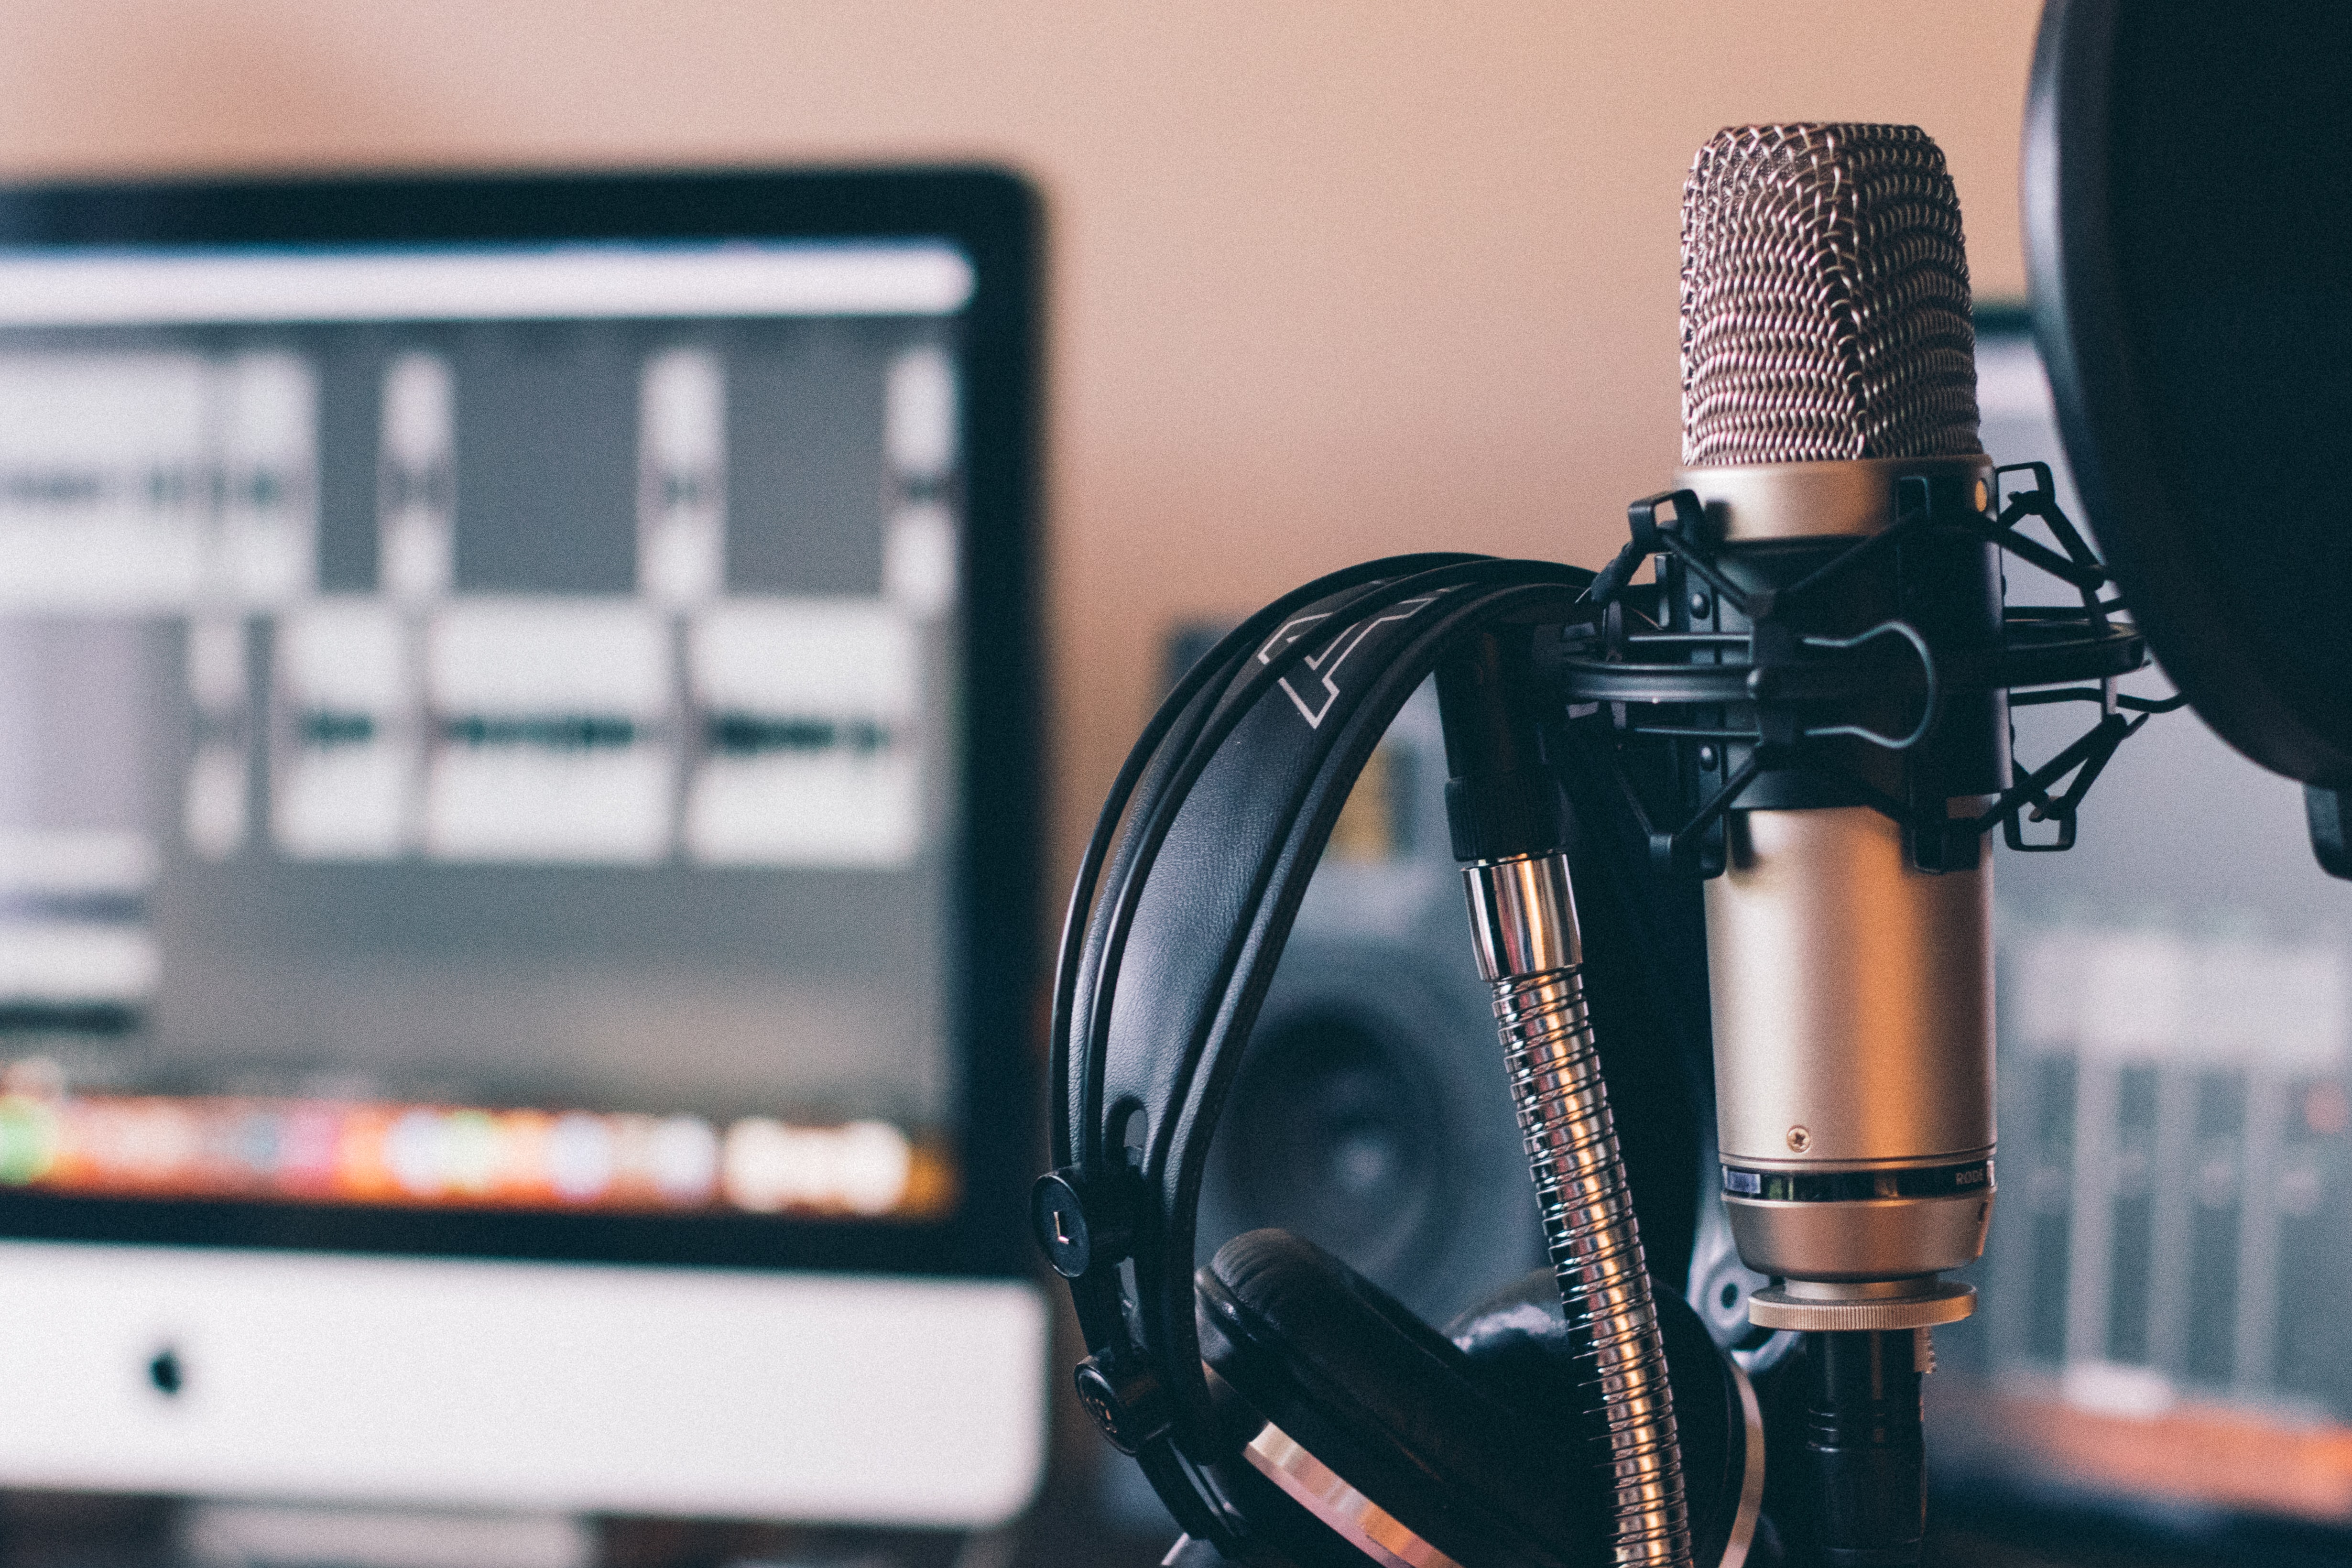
(1829, 390)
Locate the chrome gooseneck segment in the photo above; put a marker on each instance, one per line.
(1524, 930)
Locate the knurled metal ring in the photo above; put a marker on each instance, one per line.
(1774, 1308)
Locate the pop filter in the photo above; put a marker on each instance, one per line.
(2187, 178)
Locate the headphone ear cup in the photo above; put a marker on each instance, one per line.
(1389, 1410)
(1516, 1345)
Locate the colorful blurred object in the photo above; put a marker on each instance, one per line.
(315, 1150)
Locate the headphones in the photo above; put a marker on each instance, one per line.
(1290, 1412)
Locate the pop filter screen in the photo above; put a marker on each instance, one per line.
(2189, 228)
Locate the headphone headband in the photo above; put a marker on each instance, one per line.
(1211, 834)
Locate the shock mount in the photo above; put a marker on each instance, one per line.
(1821, 672)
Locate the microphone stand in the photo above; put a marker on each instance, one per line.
(1865, 1445)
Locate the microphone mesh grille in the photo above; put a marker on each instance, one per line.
(1824, 299)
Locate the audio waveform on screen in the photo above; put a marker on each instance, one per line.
(755, 734)
(595, 729)
(729, 734)
(150, 481)
(689, 714)
(548, 731)
(324, 728)
(34, 491)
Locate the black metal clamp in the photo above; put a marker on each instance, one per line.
(1777, 693)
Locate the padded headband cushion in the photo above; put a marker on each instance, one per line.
(1394, 1407)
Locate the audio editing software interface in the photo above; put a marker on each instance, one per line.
(474, 726)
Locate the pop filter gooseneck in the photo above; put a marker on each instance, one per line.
(2188, 235)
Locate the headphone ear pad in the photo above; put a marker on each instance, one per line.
(1395, 1408)
(1516, 1343)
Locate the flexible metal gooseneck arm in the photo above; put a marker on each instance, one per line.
(1504, 807)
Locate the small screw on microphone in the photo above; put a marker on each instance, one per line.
(1799, 1140)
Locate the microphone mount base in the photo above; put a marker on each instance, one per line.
(1865, 1452)
(1877, 1307)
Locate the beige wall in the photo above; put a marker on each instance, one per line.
(1330, 279)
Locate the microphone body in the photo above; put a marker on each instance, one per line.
(1829, 398)
(1852, 1007)
(1851, 991)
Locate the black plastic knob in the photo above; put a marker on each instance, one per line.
(1126, 1402)
(1078, 1223)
